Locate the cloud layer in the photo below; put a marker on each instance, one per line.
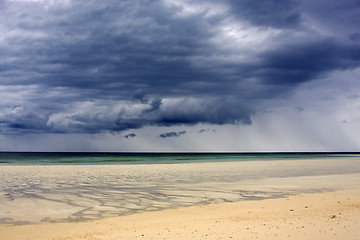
(109, 66)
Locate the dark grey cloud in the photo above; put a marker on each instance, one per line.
(337, 18)
(268, 13)
(187, 112)
(17, 118)
(301, 62)
(94, 66)
(130, 135)
(206, 130)
(172, 134)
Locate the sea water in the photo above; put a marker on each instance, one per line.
(85, 158)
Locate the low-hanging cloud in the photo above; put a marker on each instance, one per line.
(90, 66)
(172, 134)
(130, 135)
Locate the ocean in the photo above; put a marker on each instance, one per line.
(91, 158)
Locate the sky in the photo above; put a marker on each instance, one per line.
(179, 75)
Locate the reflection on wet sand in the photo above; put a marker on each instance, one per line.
(33, 194)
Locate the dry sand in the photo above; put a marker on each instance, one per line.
(333, 215)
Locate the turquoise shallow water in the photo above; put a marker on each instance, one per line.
(16, 158)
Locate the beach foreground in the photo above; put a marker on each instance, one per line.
(332, 215)
(63, 193)
(276, 199)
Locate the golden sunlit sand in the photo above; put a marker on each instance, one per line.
(287, 199)
(325, 216)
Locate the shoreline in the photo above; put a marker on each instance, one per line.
(328, 215)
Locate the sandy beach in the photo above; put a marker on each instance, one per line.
(323, 216)
(287, 199)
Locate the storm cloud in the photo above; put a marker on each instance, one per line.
(109, 66)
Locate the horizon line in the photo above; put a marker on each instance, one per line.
(184, 152)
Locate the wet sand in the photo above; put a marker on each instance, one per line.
(318, 216)
(226, 199)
